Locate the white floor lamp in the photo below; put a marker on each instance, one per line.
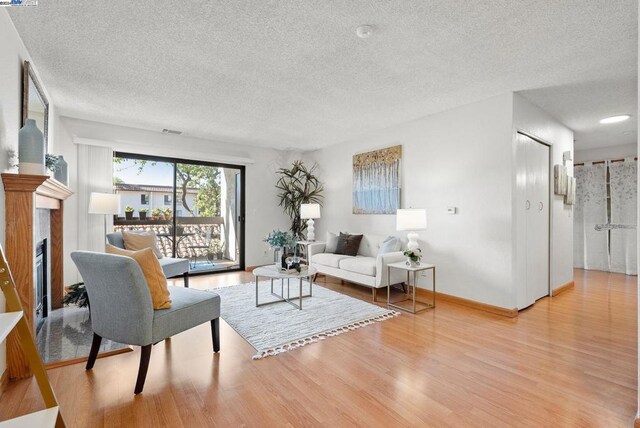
(412, 219)
(105, 204)
(310, 211)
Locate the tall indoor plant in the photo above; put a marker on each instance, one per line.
(298, 185)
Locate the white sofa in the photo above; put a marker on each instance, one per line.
(367, 268)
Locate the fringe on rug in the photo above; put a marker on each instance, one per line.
(322, 336)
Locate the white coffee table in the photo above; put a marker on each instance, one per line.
(273, 273)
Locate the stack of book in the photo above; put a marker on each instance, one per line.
(294, 270)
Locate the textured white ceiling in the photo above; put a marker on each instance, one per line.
(293, 73)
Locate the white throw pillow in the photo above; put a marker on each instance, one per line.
(332, 243)
(389, 245)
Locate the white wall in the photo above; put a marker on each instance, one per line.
(262, 211)
(534, 121)
(458, 158)
(12, 55)
(606, 153)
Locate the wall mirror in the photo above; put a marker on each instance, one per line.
(34, 103)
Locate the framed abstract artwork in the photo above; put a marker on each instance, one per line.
(376, 181)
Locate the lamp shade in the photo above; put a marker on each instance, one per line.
(411, 219)
(104, 203)
(310, 211)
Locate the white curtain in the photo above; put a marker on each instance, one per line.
(590, 246)
(624, 213)
(95, 174)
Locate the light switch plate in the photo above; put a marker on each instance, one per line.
(452, 210)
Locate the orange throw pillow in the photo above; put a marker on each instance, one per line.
(156, 281)
(135, 241)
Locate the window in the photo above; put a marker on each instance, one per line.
(144, 199)
(179, 213)
(168, 200)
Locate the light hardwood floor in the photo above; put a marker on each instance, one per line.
(568, 361)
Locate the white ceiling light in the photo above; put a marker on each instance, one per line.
(615, 119)
(364, 31)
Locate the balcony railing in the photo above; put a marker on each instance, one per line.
(192, 237)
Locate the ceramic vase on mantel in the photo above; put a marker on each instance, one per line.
(30, 149)
(62, 172)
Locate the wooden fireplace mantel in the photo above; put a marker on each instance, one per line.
(23, 195)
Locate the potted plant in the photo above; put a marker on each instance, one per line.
(128, 212)
(142, 212)
(413, 257)
(167, 213)
(217, 249)
(298, 185)
(279, 241)
(77, 295)
(157, 213)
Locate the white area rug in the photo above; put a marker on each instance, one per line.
(280, 327)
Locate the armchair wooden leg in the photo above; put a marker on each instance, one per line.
(186, 279)
(374, 293)
(215, 334)
(93, 354)
(145, 356)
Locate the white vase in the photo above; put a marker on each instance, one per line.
(411, 263)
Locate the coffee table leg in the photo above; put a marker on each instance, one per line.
(300, 293)
(256, 291)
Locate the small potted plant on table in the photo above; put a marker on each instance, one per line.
(413, 257)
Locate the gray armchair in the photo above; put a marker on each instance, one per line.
(170, 266)
(121, 308)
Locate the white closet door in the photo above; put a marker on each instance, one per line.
(537, 220)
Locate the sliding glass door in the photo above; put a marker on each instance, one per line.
(195, 208)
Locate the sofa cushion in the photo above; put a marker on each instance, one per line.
(135, 240)
(328, 259)
(359, 264)
(174, 267)
(348, 244)
(332, 243)
(390, 245)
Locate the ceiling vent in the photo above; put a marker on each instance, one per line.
(171, 131)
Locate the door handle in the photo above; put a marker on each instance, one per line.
(527, 205)
(540, 206)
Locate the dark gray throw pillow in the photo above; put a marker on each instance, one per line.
(348, 244)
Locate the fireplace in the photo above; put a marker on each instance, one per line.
(41, 283)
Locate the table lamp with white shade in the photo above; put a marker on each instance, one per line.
(310, 211)
(105, 204)
(411, 219)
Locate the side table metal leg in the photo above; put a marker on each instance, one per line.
(388, 285)
(300, 293)
(414, 291)
(433, 273)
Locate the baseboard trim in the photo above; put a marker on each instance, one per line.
(566, 287)
(496, 310)
(4, 381)
(64, 363)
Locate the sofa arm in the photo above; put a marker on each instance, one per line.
(397, 276)
(315, 248)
